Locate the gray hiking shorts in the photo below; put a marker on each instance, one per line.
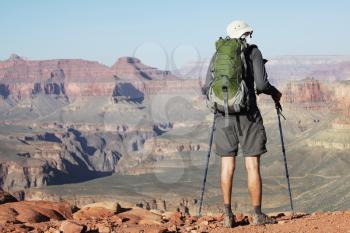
(246, 130)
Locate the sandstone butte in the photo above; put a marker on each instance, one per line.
(55, 217)
(22, 78)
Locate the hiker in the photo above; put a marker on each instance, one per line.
(238, 120)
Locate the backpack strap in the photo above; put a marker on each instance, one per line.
(225, 93)
(244, 46)
(248, 49)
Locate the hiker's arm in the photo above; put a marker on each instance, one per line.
(260, 76)
(208, 77)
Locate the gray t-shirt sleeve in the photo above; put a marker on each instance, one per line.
(262, 83)
(260, 75)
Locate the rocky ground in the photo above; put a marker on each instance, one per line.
(55, 217)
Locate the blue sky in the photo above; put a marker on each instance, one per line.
(167, 33)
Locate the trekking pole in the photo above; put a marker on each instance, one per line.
(278, 108)
(206, 166)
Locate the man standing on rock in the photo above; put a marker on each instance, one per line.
(245, 126)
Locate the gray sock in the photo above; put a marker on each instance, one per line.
(228, 210)
(257, 209)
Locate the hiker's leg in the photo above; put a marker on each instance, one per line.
(227, 170)
(254, 180)
(254, 186)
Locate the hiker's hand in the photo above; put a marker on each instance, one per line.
(278, 106)
(276, 96)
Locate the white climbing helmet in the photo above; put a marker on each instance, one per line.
(237, 28)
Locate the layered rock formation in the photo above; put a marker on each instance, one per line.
(342, 97)
(127, 91)
(308, 92)
(19, 69)
(324, 68)
(24, 78)
(21, 78)
(132, 68)
(56, 158)
(75, 96)
(169, 147)
(313, 94)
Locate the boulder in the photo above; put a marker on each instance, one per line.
(141, 217)
(92, 212)
(29, 215)
(6, 197)
(34, 211)
(60, 210)
(70, 226)
(109, 205)
(7, 215)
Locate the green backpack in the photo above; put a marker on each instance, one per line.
(228, 90)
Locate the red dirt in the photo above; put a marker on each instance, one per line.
(29, 217)
(330, 222)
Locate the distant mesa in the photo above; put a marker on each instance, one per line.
(298, 67)
(133, 68)
(70, 78)
(128, 60)
(14, 57)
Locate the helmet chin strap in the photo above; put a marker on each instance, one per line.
(247, 37)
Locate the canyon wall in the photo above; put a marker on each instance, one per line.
(102, 126)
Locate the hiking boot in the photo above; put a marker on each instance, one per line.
(229, 220)
(261, 219)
